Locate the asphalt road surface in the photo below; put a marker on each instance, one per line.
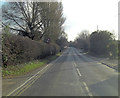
(72, 74)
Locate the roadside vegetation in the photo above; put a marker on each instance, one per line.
(33, 35)
(99, 43)
(23, 69)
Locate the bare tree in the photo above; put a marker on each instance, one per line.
(82, 41)
(23, 17)
(35, 19)
(52, 19)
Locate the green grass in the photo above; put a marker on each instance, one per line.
(59, 54)
(22, 69)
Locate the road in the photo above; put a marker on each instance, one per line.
(72, 74)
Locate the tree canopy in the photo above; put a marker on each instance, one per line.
(36, 20)
(99, 41)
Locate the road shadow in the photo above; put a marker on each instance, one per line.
(107, 87)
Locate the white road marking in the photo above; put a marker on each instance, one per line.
(27, 80)
(110, 68)
(98, 63)
(75, 65)
(79, 72)
(86, 87)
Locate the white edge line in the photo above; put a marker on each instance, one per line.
(98, 63)
(87, 89)
(27, 80)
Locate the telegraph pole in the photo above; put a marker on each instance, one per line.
(97, 28)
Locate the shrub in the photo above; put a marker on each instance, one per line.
(99, 42)
(18, 49)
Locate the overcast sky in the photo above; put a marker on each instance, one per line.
(87, 14)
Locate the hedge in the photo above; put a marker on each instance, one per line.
(17, 49)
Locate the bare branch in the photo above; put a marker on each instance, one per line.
(8, 16)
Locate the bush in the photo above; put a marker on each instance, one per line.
(18, 49)
(99, 42)
(113, 49)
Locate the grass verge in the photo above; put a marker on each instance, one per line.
(22, 69)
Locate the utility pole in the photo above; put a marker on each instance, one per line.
(97, 28)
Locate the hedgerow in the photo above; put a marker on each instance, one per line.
(17, 49)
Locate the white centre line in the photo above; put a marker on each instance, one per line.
(79, 72)
(86, 87)
(75, 65)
